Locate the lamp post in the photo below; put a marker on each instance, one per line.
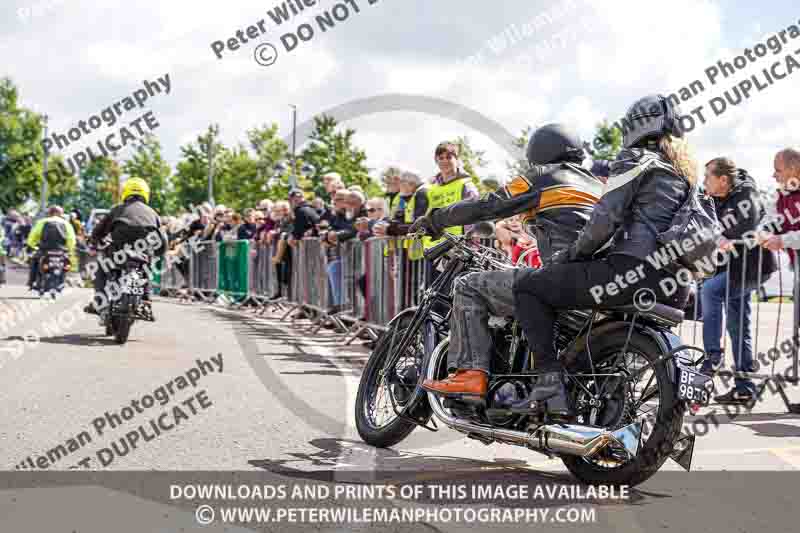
(210, 170)
(43, 197)
(292, 176)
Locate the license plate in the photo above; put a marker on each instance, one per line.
(693, 386)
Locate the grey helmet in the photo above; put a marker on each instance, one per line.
(651, 116)
(554, 142)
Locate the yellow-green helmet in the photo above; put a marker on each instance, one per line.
(136, 187)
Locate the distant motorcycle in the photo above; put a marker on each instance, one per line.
(130, 297)
(132, 304)
(53, 268)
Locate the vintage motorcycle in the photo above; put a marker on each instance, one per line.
(133, 285)
(129, 299)
(630, 381)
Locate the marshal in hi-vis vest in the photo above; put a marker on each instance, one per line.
(414, 246)
(441, 196)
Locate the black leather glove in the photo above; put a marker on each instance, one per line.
(559, 258)
(426, 223)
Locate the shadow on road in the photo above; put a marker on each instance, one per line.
(343, 361)
(73, 340)
(332, 464)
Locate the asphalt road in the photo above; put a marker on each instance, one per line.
(257, 394)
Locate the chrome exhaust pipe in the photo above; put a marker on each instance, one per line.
(565, 439)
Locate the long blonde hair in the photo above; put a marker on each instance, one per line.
(679, 153)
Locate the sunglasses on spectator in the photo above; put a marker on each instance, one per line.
(373, 209)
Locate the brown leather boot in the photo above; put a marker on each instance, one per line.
(461, 383)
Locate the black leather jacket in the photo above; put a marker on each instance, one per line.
(557, 199)
(642, 183)
(129, 222)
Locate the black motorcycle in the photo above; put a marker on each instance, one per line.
(130, 300)
(53, 268)
(630, 381)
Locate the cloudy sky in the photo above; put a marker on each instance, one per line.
(585, 60)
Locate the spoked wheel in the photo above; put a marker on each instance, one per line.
(382, 390)
(648, 398)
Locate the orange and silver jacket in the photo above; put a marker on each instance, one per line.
(556, 201)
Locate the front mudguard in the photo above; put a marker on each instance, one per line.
(418, 410)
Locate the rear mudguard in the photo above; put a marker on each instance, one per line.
(668, 343)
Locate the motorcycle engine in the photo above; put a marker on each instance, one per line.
(501, 396)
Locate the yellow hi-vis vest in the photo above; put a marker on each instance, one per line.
(415, 248)
(441, 196)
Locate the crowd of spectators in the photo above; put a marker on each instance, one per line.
(341, 214)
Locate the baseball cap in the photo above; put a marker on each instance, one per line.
(295, 192)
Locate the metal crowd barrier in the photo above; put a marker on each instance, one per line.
(378, 279)
(772, 326)
(203, 270)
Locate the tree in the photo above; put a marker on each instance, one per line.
(236, 176)
(21, 152)
(269, 150)
(472, 159)
(607, 142)
(99, 186)
(521, 166)
(191, 174)
(332, 151)
(148, 164)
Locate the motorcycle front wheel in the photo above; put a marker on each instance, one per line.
(381, 389)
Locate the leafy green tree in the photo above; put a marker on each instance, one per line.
(238, 186)
(269, 150)
(472, 159)
(99, 186)
(191, 173)
(22, 155)
(332, 151)
(21, 152)
(607, 141)
(521, 166)
(147, 163)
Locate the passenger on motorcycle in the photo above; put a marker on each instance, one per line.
(50, 233)
(654, 172)
(128, 223)
(556, 197)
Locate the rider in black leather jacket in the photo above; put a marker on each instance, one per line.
(653, 173)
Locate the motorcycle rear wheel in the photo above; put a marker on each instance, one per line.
(662, 424)
(122, 322)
